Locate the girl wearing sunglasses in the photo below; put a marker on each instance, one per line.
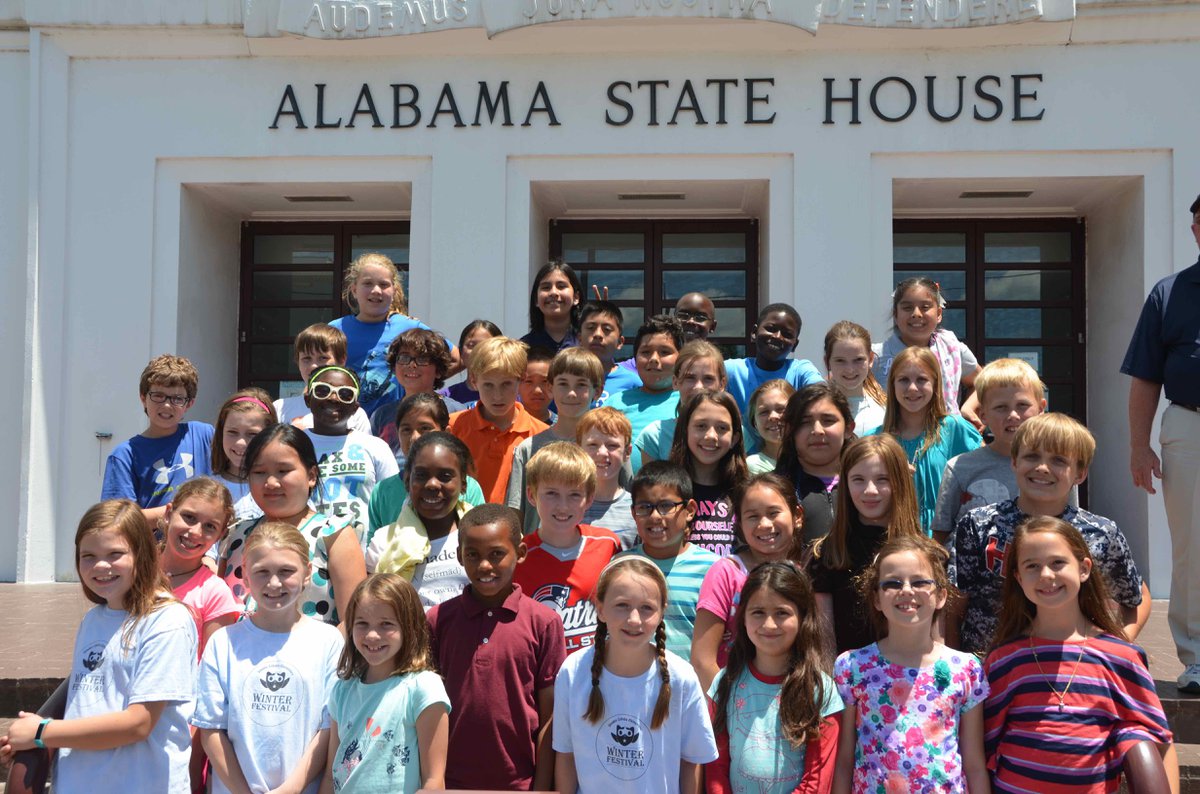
(350, 461)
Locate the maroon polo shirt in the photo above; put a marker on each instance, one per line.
(494, 660)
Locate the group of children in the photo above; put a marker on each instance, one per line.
(726, 575)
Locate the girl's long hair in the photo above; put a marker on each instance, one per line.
(637, 566)
(848, 331)
(778, 384)
(537, 321)
(354, 270)
(414, 654)
(203, 488)
(1017, 611)
(804, 685)
(935, 412)
(732, 467)
(797, 405)
(904, 518)
(149, 589)
(246, 401)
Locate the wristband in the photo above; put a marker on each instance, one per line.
(37, 738)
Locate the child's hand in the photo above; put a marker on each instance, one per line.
(596, 292)
(21, 733)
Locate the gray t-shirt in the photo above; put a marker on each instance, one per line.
(974, 479)
(515, 495)
(615, 516)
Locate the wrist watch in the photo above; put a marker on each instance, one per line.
(37, 738)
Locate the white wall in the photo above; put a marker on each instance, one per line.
(14, 220)
(209, 275)
(829, 229)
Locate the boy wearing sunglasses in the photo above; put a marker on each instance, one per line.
(350, 461)
(150, 466)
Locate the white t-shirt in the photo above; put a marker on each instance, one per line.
(621, 753)
(441, 577)
(350, 466)
(293, 411)
(268, 692)
(158, 664)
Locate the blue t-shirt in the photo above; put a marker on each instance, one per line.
(745, 376)
(1166, 342)
(148, 470)
(366, 354)
(641, 408)
(616, 381)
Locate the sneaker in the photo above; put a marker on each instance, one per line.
(1189, 680)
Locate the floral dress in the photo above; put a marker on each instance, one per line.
(908, 718)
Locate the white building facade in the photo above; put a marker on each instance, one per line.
(191, 176)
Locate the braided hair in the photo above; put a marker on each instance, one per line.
(636, 566)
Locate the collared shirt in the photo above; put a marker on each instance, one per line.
(495, 660)
(1165, 347)
(492, 448)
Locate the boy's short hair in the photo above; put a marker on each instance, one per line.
(580, 362)
(786, 308)
(321, 338)
(605, 309)
(539, 355)
(1057, 433)
(562, 462)
(663, 473)
(422, 342)
(1009, 373)
(606, 420)
(167, 370)
(484, 514)
(499, 354)
(660, 324)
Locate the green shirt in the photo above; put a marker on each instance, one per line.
(388, 497)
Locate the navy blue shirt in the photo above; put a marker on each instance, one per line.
(1166, 343)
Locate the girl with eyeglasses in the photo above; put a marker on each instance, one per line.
(281, 466)
(351, 461)
(914, 708)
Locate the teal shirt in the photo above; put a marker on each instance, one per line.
(956, 437)
(684, 573)
(641, 408)
(388, 497)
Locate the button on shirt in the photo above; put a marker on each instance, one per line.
(1166, 342)
(492, 448)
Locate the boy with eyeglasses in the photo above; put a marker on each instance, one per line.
(664, 509)
(565, 556)
(150, 466)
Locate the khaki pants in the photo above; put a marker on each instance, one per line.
(1180, 441)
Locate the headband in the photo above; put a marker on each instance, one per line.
(254, 400)
(333, 367)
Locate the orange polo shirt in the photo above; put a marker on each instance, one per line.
(491, 447)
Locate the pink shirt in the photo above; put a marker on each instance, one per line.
(719, 595)
(208, 597)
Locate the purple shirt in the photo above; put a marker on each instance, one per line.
(494, 661)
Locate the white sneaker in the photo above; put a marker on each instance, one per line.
(1189, 680)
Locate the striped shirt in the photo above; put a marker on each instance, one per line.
(684, 573)
(1110, 705)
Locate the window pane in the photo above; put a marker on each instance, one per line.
(934, 247)
(271, 387)
(632, 317)
(293, 249)
(716, 284)
(292, 285)
(1027, 247)
(1050, 361)
(956, 321)
(730, 350)
(604, 248)
(716, 248)
(287, 322)
(623, 285)
(393, 246)
(1027, 323)
(271, 359)
(731, 321)
(1027, 285)
(953, 283)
